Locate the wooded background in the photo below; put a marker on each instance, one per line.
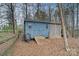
(12, 15)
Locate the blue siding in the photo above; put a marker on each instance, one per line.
(36, 29)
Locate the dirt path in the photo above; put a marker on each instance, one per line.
(56, 47)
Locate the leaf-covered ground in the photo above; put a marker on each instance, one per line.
(51, 47)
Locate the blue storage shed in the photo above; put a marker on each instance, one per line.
(36, 28)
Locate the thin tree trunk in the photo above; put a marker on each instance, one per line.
(77, 18)
(63, 27)
(38, 7)
(50, 12)
(26, 10)
(12, 17)
(73, 22)
(25, 19)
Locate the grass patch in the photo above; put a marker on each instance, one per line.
(8, 52)
(5, 36)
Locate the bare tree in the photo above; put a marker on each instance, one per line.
(63, 26)
(11, 15)
(77, 15)
(5, 15)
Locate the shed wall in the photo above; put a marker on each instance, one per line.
(55, 31)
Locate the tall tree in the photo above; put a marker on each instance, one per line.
(63, 26)
(6, 13)
(11, 15)
(77, 20)
(73, 21)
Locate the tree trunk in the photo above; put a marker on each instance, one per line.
(38, 7)
(77, 18)
(63, 27)
(77, 21)
(49, 12)
(73, 21)
(26, 10)
(12, 17)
